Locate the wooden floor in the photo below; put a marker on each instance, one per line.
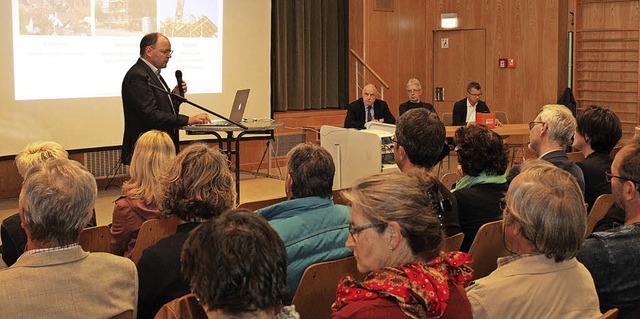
(252, 188)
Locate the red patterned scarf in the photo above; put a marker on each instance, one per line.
(421, 289)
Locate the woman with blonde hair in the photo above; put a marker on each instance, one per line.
(397, 243)
(139, 201)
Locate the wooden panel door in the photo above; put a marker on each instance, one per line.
(459, 58)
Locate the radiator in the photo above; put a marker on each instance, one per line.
(103, 164)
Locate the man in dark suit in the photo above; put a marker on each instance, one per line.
(414, 90)
(551, 133)
(368, 109)
(464, 111)
(146, 108)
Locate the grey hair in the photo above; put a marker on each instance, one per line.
(312, 170)
(57, 198)
(38, 152)
(549, 207)
(401, 198)
(560, 121)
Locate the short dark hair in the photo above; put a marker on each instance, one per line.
(236, 263)
(197, 184)
(473, 85)
(422, 137)
(601, 126)
(311, 168)
(149, 40)
(481, 150)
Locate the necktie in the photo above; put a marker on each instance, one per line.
(369, 115)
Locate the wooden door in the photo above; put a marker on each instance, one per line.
(459, 58)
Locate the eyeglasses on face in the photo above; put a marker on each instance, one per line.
(354, 231)
(532, 124)
(165, 52)
(609, 176)
(475, 94)
(414, 91)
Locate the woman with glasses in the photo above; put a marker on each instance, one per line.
(544, 225)
(482, 162)
(396, 238)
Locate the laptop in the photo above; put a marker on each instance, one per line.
(237, 109)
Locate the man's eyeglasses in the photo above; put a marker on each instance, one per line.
(475, 94)
(165, 52)
(609, 176)
(532, 124)
(414, 91)
(354, 231)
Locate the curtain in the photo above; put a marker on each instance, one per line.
(309, 54)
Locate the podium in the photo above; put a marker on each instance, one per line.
(357, 154)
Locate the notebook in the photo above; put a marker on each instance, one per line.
(237, 109)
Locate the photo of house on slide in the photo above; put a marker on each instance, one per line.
(174, 18)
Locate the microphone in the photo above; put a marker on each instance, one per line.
(179, 79)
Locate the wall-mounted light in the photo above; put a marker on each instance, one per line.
(449, 20)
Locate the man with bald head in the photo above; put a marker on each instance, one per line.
(146, 108)
(368, 109)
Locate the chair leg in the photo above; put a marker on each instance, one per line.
(113, 172)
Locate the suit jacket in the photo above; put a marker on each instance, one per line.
(560, 160)
(356, 116)
(146, 108)
(460, 111)
(594, 168)
(69, 283)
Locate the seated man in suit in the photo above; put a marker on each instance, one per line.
(55, 277)
(419, 147)
(414, 90)
(464, 111)
(551, 133)
(312, 227)
(368, 109)
(612, 256)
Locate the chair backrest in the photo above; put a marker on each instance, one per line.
(449, 179)
(186, 306)
(487, 246)
(125, 315)
(453, 242)
(575, 156)
(447, 119)
(502, 117)
(253, 206)
(611, 314)
(95, 239)
(151, 232)
(598, 211)
(338, 198)
(317, 289)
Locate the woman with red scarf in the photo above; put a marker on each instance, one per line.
(396, 236)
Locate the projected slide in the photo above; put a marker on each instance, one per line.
(83, 48)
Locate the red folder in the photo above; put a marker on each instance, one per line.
(488, 119)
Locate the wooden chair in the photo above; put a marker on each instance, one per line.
(186, 306)
(95, 239)
(575, 156)
(151, 232)
(453, 243)
(253, 206)
(125, 315)
(598, 211)
(449, 179)
(317, 289)
(447, 119)
(487, 246)
(611, 314)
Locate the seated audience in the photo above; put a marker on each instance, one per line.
(236, 266)
(13, 236)
(396, 238)
(483, 160)
(612, 256)
(464, 111)
(551, 133)
(195, 186)
(138, 202)
(55, 277)
(312, 227)
(597, 133)
(419, 147)
(368, 109)
(544, 224)
(414, 90)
